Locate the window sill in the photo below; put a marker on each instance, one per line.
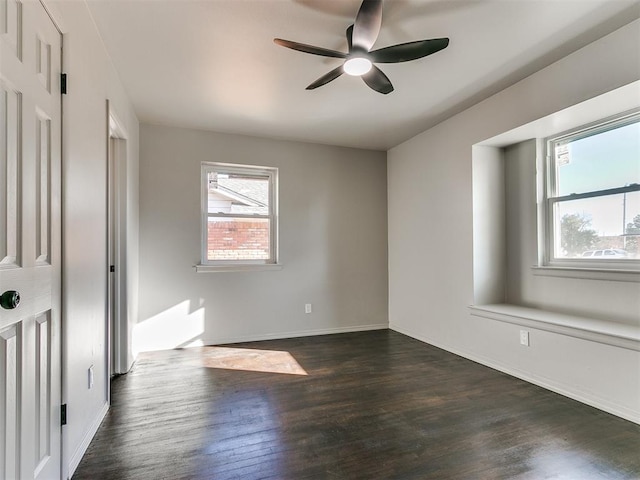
(588, 273)
(237, 268)
(609, 333)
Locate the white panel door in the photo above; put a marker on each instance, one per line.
(30, 150)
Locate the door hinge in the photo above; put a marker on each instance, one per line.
(112, 268)
(63, 83)
(63, 414)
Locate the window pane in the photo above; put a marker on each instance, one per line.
(238, 194)
(605, 160)
(238, 239)
(603, 227)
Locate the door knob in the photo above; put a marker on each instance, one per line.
(9, 299)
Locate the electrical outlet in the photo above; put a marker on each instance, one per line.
(90, 377)
(307, 308)
(524, 338)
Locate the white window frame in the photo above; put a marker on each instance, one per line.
(551, 198)
(238, 265)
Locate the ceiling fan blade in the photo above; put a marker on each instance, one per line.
(350, 37)
(326, 78)
(377, 80)
(367, 25)
(301, 47)
(408, 51)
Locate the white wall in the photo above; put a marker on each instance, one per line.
(333, 243)
(92, 80)
(490, 239)
(431, 210)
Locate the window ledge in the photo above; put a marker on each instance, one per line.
(609, 333)
(588, 273)
(237, 268)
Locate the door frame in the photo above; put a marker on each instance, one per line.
(117, 300)
(57, 293)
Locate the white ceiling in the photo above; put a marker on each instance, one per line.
(212, 64)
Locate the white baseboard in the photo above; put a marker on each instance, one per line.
(294, 334)
(547, 383)
(82, 448)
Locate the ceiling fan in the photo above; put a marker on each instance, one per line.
(360, 58)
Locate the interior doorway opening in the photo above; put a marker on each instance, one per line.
(116, 246)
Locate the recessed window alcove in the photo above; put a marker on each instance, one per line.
(511, 282)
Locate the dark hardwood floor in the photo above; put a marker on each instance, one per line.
(372, 405)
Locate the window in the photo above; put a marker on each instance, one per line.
(593, 196)
(239, 215)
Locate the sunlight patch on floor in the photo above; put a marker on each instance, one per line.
(251, 360)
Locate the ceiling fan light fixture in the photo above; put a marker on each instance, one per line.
(359, 59)
(357, 66)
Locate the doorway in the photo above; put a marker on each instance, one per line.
(117, 304)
